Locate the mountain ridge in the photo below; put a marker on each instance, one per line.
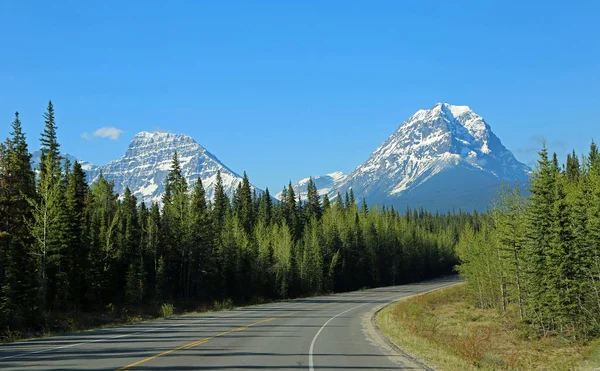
(450, 142)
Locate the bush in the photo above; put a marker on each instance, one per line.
(222, 305)
(167, 310)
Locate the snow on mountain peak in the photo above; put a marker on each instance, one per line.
(147, 161)
(430, 142)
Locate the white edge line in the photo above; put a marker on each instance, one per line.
(311, 363)
(312, 344)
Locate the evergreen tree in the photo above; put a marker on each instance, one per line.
(265, 208)
(314, 202)
(175, 226)
(17, 183)
(244, 210)
(48, 222)
(537, 244)
(221, 205)
(77, 243)
(326, 203)
(364, 208)
(339, 202)
(202, 270)
(290, 211)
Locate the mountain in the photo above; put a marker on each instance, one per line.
(147, 161)
(86, 166)
(442, 158)
(325, 184)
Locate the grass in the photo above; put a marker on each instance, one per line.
(444, 330)
(62, 323)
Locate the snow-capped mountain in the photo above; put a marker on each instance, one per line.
(325, 184)
(147, 161)
(442, 158)
(85, 165)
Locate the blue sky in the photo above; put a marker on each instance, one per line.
(284, 90)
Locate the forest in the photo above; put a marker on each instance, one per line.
(537, 254)
(68, 247)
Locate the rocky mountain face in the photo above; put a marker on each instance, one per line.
(443, 158)
(147, 161)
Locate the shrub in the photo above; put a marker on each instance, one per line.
(167, 310)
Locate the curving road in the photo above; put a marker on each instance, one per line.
(321, 333)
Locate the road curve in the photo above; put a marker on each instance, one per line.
(319, 333)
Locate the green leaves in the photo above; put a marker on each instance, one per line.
(541, 252)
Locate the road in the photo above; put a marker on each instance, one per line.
(331, 332)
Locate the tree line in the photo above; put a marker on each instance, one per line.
(68, 246)
(539, 252)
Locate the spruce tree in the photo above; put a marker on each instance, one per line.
(202, 270)
(326, 203)
(265, 208)
(48, 220)
(221, 205)
(245, 210)
(537, 244)
(17, 184)
(314, 202)
(77, 243)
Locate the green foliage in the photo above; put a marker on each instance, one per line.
(167, 310)
(541, 252)
(66, 246)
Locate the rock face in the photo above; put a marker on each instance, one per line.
(443, 158)
(145, 166)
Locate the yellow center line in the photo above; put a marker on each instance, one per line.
(206, 340)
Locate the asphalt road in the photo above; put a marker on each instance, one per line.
(320, 333)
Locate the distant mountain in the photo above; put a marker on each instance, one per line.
(147, 161)
(442, 158)
(88, 167)
(325, 184)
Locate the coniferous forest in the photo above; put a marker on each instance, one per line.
(538, 254)
(68, 247)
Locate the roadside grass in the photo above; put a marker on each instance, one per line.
(64, 323)
(447, 332)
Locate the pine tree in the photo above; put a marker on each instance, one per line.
(221, 205)
(17, 183)
(77, 243)
(314, 203)
(152, 251)
(244, 209)
(104, 215)
(594, 159)
(265, 208)
(364, 208)
(50, 156)
(202, 270)
(326, 203)
(47, 224)
(351, 199)
(537, 244)
(573, 170)
(175, 227)
(291, 212)
(339, 202)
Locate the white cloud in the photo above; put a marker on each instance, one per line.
(108, 132)
(85, 135)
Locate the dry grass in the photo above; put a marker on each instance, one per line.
(447, 332)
